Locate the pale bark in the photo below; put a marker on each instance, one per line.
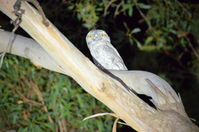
(70, 61)
(30, 49)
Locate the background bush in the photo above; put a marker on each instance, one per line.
(163, 32)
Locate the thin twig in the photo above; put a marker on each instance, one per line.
(40, 10)
(114, 129)
(35, 88)
(106, 8)
(2, 55)
(117, 8)
(144, 17)
(177, 59)
(192, 48)
(28, 101)
(62, 125)
(185, 10)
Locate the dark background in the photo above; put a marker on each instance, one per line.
(159, 36)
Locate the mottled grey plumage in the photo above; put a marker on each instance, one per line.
(107, 58)
(103, 51)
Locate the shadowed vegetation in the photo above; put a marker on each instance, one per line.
(159, 36)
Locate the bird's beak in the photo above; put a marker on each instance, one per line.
(96, 37)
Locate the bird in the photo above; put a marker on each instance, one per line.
(107, 58)
(103, 52)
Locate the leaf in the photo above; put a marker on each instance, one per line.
(143, 6)
(87, 25)
(135, 30)
(130, 11)
(138, 43)
(125, 25)
(149, 40)
(71, 7)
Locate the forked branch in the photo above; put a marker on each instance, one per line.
(72, 62)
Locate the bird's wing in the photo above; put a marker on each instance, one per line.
(115, 57)
(111, 46)
(111, 51)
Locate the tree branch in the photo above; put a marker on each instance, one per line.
(72, 62)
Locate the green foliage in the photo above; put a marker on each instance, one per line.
(168, 24)
(161, 28)
(160, 36)
(27, 91)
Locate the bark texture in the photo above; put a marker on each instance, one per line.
(170, 115)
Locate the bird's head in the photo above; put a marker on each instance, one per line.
(97, 35)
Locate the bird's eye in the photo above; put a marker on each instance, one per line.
(102, 35)
(90, 35)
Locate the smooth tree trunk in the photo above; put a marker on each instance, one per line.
(64, 57)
